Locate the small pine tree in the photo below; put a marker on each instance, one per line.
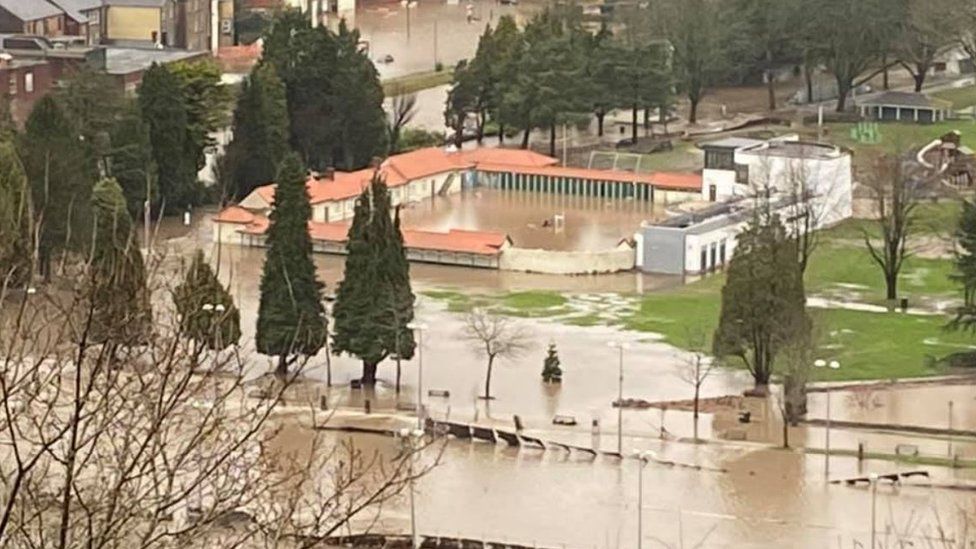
(291, 317)
(120, 297)
(551, 372)
(207, 312)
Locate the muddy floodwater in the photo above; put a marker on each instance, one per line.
(591, 224)
(764, 498)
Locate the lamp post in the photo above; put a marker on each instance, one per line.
(620, 346)
(833, 365)
(874, 498)
(642, 459)
(407, 4)
(419, 328)
(411, 436)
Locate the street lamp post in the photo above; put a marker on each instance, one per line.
(620, 346)
(419, 328)
(833, 365)
(874, 498)
(642, 459)
(407, 4)
(411, 436)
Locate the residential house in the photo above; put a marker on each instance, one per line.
(22, 83)
(198, 25)
(76, 22)
(38, 17)
(126, 22)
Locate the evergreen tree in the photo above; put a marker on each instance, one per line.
(291, 317)
(965, 272)
(52, 151)
(763, 300)
(15, 219)
(374, 302)
(335, 101)
(121, 313)
(207, 312)
(94, 104)
(551, 372)
(207, 102)
(164, 111)
(131, 160)
(260, 130)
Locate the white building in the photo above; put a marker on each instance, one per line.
(800, 179)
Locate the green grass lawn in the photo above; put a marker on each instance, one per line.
(898, 136)
(413, 83)
(960, 98)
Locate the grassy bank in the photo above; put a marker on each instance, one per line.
(960, 98)
(412, 83)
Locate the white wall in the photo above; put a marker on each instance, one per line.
(695, 242)
(829, 180)
(566, 262)
(723, 180)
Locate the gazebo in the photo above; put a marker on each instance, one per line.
(895, 106)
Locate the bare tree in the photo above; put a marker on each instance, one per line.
(495, 337)
(894, 187)
(927, 28)
(695, 370)
(403, 107)
(126, 445)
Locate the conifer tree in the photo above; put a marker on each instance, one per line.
(260, 131)
(164, 111)
(121, 312)
(551, 372)
(207, 312)
(374, 302)
(291, 318)
(15, 218)
(53, 155)
(763, 300)
(965, 273)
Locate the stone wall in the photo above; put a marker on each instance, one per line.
(567, 262)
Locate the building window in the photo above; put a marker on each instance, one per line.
(742, 173)
(29, 82)
(13, 84)
(716, 159)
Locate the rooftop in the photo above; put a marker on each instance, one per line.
(454, 240)
(717, 216)
(74, 8)
(905, 99)
(795, 149)
(731, 143)
(120, 60)
(30, 10)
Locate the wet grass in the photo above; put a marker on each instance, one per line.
(533, 300)
(897, 136)
(412, 83)
(959, 97)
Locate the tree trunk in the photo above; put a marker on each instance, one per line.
(771, 90)
(633, 123)
(282, 369)
(552, 140)
(599, 123)
(695, 415)
(808, 80)
(369, 373)
(459, 136)
(398, 374)
(491, 362)
(693, 110)
(843, 88)
(501, 134)
(891, 286)
(481, 127)
(647, 119)
(919, 79)
(786, 432)
(525, 138)
(884, 71)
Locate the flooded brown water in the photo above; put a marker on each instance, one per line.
(591, 224)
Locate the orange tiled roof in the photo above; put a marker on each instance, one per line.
(678, 180)
(513, 157)
(454, 240)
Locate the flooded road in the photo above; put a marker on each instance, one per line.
(439, 31)
(591, 224)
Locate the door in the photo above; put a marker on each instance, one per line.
(712, 193)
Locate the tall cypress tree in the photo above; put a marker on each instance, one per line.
(374, 302)
(120, 296)
(207, 312)
(260, 131)
(53, 156)
(15, 218)
(291, 317)
(164, 111)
